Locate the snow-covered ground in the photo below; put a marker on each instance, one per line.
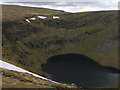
(55, 17)
(32, 18)
(9, 66)
(28, 20)
(42, 17)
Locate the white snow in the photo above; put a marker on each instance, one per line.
(55, 17)
(9, 66)
(28, 20)
(32, 18)
(42, 17)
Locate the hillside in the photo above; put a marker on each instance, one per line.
(14, 12)
(29, 45)
(13, 79)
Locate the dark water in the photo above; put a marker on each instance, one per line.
(79, 69)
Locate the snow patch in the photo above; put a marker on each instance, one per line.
(9, 66)
(55, 17)
(32, 18)
(28, 20)
(42, 17)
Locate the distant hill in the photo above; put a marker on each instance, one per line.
(29, 45)
(14, 12)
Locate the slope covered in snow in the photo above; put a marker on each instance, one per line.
(42, 17)
(9, 66)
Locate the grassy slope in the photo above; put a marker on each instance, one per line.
(14, 12)
(93, 34)
(13, 79)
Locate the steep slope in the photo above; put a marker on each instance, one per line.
(29, 45)
(13, 79)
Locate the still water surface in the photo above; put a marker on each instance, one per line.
(79, 69)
